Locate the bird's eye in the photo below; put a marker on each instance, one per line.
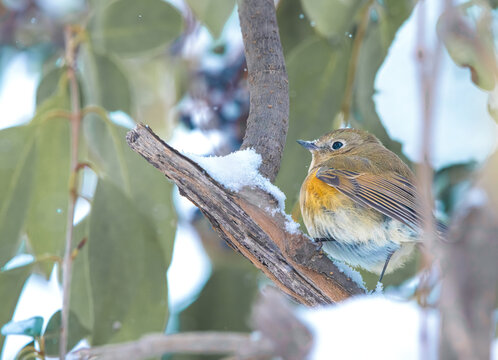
(337, 145)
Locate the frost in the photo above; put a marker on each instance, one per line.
(237, 170)
(350, 273)
(291, 226)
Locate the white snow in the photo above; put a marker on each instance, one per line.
(237, 170)
(351, 273)
(371, 327)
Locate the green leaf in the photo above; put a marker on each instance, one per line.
(48, 84)
(104, 82)
(52, 333)
(11, 284)
(81, 292)
(130, 27)
(293, 26)
(47, 213)
(212, 13)
(17, 159)
(150, 191)
(378, 38)
(317, 77)
(127, 269)
(29, 327)
(332, 17)
(28, 351)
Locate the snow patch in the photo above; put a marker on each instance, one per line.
(350, 273)
(237, 170)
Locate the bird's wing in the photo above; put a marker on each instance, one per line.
(391, 194)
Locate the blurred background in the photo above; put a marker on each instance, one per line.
(149, 261)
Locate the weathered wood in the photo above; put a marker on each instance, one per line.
(244, 221)
(267, 123)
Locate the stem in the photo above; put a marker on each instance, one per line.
(355, 54)
(428, 69)
(71, 47)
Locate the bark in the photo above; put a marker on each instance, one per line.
(245, 222)
(268, 85)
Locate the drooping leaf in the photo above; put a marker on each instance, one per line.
(212, 13)
(11, 284)
(127, 269)
(470, 44)
(28, 351)
(17, 158)
(317, 76)
(150, 191)
(294, 27)
(51, 336)
(81, 291)
(332, 17)
(48, 84)
(104, 82)
(378, 38)
(129, 27)
(29, 327)
(47, 213)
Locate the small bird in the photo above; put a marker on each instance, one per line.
(359, 201)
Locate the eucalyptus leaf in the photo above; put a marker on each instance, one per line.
(29, 327)
(48, 84)
(51, 336)
(130, 27)
(317, 76)
(148, 188)
(127, 269)
(332, 17)
(81, 291)
(47, 213)
(17, 159)
(28, 351)
(212, 13)
(11, 284)
(104, 82)
(294, 27)
(379, 36)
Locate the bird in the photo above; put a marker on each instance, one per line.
(360, 201)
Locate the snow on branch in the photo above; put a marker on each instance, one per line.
(251, 222)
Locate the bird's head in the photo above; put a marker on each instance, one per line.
(341, 142)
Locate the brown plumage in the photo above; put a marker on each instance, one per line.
(359, 198)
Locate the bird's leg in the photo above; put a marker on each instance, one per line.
(320, 242)
(385, 266)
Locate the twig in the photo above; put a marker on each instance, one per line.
(153, 345)
(244, 220)
(267, 123)
(71, 46)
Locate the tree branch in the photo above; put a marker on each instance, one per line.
(290, 260)
(277, 333)
(267, 123)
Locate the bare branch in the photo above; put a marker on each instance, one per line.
(207, 342)
(268, 85)
(278, 333)
(290, 260)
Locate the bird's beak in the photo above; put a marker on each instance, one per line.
(310, 145)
